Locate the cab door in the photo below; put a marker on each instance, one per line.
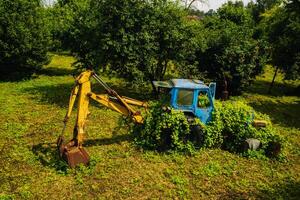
(203, 105)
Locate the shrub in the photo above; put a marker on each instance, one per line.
(163, 130)
(237, 118)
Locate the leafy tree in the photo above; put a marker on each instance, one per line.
(232, 52)
(261, 6)
(194, 12)
(135, 39)
(60, 17)
(281, 25)
(24, 38)
(195, 44)
(236, 13)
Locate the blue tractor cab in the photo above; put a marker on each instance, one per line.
(191, 96)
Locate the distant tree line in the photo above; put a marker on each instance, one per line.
(148, 39)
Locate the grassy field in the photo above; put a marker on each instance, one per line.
(31, 114)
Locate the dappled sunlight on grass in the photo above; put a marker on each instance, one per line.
(59, 66)
(31, 114)
(281, 87)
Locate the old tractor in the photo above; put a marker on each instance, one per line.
(193, 97)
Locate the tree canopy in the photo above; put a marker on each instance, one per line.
(135, 39)
(232, 52)
(282, 29)
(145, 40)
(24, 38)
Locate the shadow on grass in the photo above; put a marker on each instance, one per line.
(279, 89)
(22, 75)
(285, 114)
(48, 156)
(16, 75)
(56, 71)
(289, 189)
(107, 141)
(51, 94)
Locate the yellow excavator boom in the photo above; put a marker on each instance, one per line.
(73, 152)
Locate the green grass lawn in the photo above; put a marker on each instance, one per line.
(31, 114)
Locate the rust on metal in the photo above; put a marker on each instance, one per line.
(75, 156)
(71, 153)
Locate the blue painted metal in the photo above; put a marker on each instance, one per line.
(212, 88)
(196, 86)
(188, 83)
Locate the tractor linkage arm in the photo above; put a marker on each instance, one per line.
(73, 151)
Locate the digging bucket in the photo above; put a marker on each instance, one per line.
(72, 153)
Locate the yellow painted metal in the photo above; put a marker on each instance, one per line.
(82, 78)
(71, 102)
(107, 101)
(259, 123)
(134, 102)
(82, 89)
(82, 112)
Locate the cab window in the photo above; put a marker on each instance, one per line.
(185, 97)
(203, 99)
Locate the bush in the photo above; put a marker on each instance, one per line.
(236, 118)
(24, 38)
(163, 130)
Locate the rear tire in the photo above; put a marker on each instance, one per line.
(197, 135)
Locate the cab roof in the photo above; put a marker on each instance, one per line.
(181, 83)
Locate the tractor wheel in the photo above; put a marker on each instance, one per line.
(273, 149)
(196, 135)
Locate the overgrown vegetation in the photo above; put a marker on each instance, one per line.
(167, 129)
(236, 119)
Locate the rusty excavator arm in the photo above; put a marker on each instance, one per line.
(73, 151)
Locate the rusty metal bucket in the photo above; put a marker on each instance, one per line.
(72, 153)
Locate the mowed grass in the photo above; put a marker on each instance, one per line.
(31, 114)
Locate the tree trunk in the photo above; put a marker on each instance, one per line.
(154, 91)
(272, 83)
